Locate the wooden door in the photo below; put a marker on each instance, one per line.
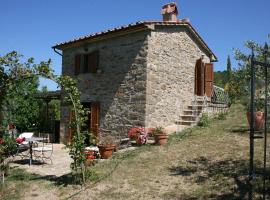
(70, 131)
(199, 78)
(94, 122)
(209, 77)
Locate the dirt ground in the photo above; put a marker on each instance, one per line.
(60, 163)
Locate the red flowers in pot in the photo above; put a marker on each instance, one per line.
(139, 134)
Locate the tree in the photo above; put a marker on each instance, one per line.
(18, 103)
(239, 85)
(229, 68)
(21, 106)
(14, 71)
(220, 78)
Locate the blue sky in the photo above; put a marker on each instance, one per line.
(31, 27)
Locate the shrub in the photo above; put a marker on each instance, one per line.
(222, 116)
(204, 121)
(8, 146)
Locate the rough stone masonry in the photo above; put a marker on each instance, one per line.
(145, 77)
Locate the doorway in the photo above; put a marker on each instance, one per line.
(199, 78)
(204, 76)
(92, 123)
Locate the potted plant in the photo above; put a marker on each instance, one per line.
(138, 134)
(160, 136)
(106, 146)
(258, 111)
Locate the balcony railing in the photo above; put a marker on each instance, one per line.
(220, 96)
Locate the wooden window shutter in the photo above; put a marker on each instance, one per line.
(209, 79)
(93, 61)
(199, 78)
(77, 64)
(95, 110)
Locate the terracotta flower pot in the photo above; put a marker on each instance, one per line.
(258, 120)
(106, 151)
(161, 139)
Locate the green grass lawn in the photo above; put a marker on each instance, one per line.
(198, 163)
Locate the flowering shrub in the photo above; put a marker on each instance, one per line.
(7, 146)
(90, 155)
(139, 134)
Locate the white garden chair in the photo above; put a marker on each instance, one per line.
(44, 151)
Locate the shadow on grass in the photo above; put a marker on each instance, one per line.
(221, 180)
(64, 180)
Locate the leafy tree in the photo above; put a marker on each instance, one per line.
(22, 108)
(220, 78)
(229, 68)
(18, 103)
(15, 71)
(239, 85)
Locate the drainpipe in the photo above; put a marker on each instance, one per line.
(54, 49)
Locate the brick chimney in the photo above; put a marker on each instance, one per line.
(169, 12)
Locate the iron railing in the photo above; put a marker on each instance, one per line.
(220, 96)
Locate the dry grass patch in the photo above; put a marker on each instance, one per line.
(200, 163)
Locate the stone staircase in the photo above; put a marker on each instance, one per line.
(192, 113)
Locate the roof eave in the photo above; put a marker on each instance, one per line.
(139, 26)
(105, 35)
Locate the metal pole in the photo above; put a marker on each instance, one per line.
(265, 119)
(251, 133)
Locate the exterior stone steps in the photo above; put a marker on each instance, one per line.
(198, 107)
(199, 101)
(191, 112)
(189, 117)
(187, 123)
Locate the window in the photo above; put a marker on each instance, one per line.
(86, 63)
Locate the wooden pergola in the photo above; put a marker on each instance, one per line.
(48, 97)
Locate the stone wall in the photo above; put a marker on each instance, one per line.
(172, 55)
(120, 88)
(146, 78)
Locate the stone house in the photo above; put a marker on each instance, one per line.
(142, 74)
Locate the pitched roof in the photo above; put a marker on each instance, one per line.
(141, 25)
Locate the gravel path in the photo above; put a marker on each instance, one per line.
(60, 163)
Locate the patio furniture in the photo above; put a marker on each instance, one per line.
(31, 141)
(23, 147)
(44, 151)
